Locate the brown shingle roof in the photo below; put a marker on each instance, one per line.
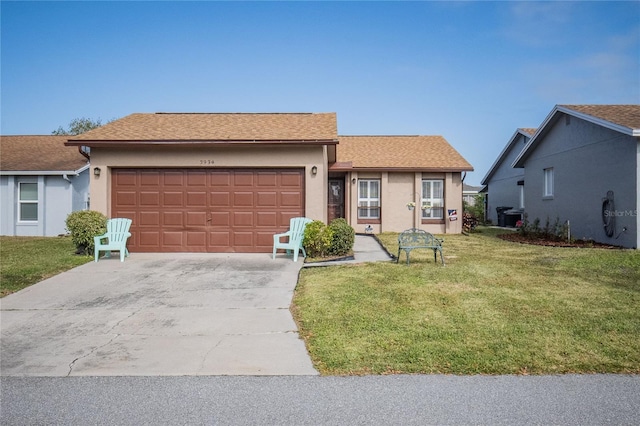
(39, 153)
(216, 127)
(429, 153)
(623, 115)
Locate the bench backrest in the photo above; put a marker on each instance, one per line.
(417, 237)
(118, 229)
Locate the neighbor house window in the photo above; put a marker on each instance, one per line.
(433, 199)
(369, 199)
(548, 182)
(28, 201)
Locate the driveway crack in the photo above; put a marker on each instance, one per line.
(92, 351)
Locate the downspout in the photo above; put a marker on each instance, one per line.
(84, 153)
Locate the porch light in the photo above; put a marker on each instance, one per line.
(96, 171)
(314, 170)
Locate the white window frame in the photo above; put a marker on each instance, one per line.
(548, 182)
(521, 196)
(366, 201)
(22, 202)
(437, 203)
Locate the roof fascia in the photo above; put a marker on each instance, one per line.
(196, 142)
(42, 172)
(403, 169)
(503, 154)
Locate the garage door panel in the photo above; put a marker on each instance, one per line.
(243, 239)
(126, 178)
(173, 238)
(289, 199)
(148, 239)
(220, 239)
(150, 178)
(172, 199)
(220, 199)
(172, 219)
(267, 199)
(243, 219)
(214, 210)
(242, 199)
(174, 179)
(267, 219)
(243, 178)
(147, 219)
(125, 198)
(196, 219)
(221, 219)
(291, 179)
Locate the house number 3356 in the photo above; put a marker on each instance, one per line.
(203, 162)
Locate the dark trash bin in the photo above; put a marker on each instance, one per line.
(502, 217)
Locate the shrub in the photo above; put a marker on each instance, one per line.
(83, 226)
(343, 237)
(317, 239)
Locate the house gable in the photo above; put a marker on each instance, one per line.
(624, 119)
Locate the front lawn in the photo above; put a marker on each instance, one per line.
(27, 260)
(498, 307)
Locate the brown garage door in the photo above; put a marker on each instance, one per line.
(212, 210)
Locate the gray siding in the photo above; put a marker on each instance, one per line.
(503, 187)
(57, 197)
(588, 160)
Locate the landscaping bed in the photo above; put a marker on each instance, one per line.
(517, 237)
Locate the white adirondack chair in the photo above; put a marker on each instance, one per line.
(116, 238)
(295, 234)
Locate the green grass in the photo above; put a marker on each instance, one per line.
(27, 260)
(497, 308)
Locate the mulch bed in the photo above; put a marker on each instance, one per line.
(516, 237)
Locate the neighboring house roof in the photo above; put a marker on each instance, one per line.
(524, 131)
(174, 128)
(428, 153)
(621, 118)
(470, 188)
(39, 155)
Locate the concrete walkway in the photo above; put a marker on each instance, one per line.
(157, 314)
(365, 249)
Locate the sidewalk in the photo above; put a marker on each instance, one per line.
(365, 249)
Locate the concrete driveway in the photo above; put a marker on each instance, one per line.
(157, 314)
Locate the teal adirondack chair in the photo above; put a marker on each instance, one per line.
(116, 238)
(295, 234)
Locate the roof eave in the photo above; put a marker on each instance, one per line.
(43, 172)
(403, 169)
(197, 142)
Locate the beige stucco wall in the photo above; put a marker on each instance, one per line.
(214, 157)
(396, 190)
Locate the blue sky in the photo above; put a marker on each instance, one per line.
(472, 72)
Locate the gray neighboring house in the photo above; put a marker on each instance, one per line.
(503, 184)
(583, 165)
(41, 182)
(469, 193)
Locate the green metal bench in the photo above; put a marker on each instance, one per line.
(414, 238)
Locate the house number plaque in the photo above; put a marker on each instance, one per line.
(203, 162)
